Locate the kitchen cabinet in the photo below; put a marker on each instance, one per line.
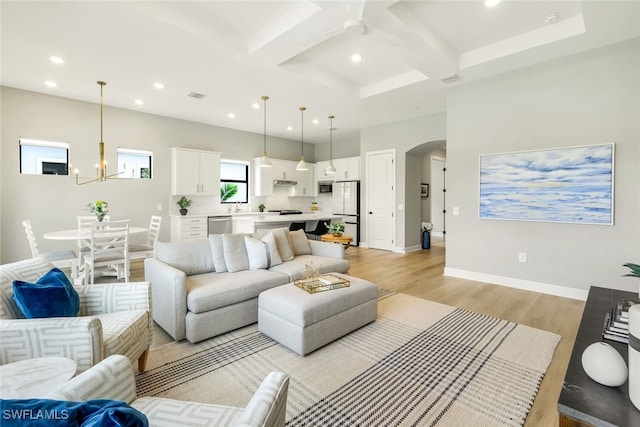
(194, 172)
(283, 169)
(320, 173)
(347, 168)
(262, 179)
(188, 227)
(306, 184)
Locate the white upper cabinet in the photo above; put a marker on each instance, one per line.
(321, 167)
(346, 168)
(194, 172)
(305, 186)
(263, 179)
(283, 169)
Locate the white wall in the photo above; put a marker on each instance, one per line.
(425, 203)
(53, 202)
(403, 136)
(591, 98)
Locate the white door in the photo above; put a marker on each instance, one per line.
(438, 165)
(380, 212)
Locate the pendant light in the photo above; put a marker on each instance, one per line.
(302, 165)
(330, 170)
(101, 166)
(264, 161)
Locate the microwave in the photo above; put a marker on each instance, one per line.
(325, 187)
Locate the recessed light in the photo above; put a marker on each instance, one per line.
(56, 59)
(51, 83)
(552, 19)
(231, 115)
(289, 128)
(356, 57)
(255, 106)
(491, 3)
(139, 101)
(316, 121)
(158, 85)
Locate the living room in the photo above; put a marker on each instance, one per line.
(584, 98)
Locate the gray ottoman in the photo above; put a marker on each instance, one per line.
(305, 322)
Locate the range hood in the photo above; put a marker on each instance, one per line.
(284, 183)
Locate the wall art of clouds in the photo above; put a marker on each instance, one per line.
(560, 185)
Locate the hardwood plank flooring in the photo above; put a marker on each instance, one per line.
(420, 274)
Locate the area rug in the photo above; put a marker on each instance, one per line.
(420, 363)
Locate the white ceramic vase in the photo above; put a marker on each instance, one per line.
(634, 355)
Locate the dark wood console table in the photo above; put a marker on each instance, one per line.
(584, 402)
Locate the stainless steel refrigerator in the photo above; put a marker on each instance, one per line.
(346, 202)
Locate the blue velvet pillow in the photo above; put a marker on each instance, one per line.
(51, 296)
(92, 413)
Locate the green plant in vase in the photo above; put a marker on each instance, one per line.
(99, 208)
(635, 271)
(183, 203)
(261, 207)
(335, 228)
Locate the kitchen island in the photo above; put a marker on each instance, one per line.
(251, 223)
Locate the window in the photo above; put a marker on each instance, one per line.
(134, 163)
(38, 157)
(234, 182)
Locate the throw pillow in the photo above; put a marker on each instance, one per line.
(274, 255)
(282, 241)
(235, 252)
(215, 241)
(51, 296)
(258, 253)
(300, 243)
(190, 256)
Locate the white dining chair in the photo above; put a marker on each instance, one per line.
(108, 249)
(61, 259)
(85, 222)
(145, 250)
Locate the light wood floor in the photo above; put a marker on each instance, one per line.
(420, 274)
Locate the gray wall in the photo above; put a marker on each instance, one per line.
(425, 203)
(53, 202)
(591, 98)
(403, 136)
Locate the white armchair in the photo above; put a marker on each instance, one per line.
(114, 318)
(113, 379)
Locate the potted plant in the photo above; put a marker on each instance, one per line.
(261, 207)
(99, 208)
(184, 203)
(335, 228)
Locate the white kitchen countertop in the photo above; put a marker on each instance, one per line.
(269, 217)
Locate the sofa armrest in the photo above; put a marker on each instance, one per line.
(78, 338)
(112, 378)
(328, 249)
(268, 406)
(114, 297)
(169, 296)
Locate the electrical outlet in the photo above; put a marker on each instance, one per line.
(522, 257)
(456, 211)
(159, 207)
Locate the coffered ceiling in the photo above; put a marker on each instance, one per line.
(296, 52)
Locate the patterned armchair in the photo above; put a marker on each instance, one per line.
(113, 379)
(114, 318)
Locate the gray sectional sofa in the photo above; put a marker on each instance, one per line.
(206, 287)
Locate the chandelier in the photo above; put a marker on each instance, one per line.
(101, 166)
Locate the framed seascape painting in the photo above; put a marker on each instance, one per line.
(573, 184)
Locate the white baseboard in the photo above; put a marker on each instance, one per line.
(527, 285)
(406, 250)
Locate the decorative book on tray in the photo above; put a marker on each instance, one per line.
(616, 322)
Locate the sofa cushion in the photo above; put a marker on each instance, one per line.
(274, 255)
(28, 270)
(52, 295)
(299, 243)
(190, 256)
(284, 245)
(235, 252)
(214, 290)
(258, 253)
(215, 241)
(295, 268)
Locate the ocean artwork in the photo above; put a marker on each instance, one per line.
(557, 185)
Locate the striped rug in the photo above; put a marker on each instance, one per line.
(421, 363)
